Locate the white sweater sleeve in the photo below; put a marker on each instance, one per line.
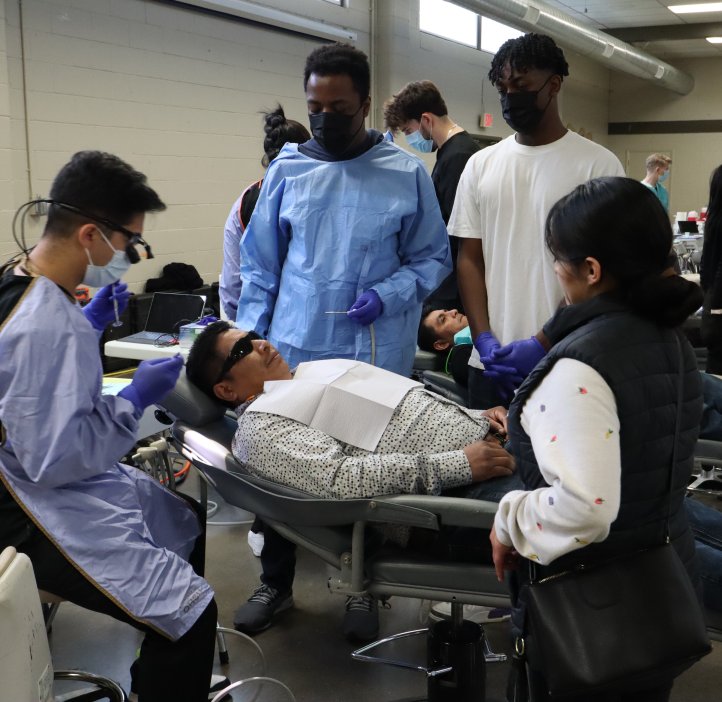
(572, 421)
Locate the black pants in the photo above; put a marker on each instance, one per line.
(712, 338)
(278, 560)
(165, 670)
(483, 393)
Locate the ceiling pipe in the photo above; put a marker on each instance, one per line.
(535, 16)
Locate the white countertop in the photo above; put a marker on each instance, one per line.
(142, 352)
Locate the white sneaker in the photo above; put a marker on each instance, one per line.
(472, 613)
(256, 541)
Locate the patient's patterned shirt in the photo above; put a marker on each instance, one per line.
(420, 452)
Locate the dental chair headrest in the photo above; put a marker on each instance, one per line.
(189, 404)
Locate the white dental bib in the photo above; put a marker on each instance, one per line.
(351, 401)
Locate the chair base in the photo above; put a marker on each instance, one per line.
(103, 688)
(457, 653)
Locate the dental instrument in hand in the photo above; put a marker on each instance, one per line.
(117, 322)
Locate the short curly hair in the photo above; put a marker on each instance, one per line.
(527, 52)
(340, 59)
(411, 102)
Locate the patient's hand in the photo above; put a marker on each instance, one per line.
(488, 460)
(497, 417)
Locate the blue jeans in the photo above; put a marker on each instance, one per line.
(464, 543)
(711, 425)
(706, 525)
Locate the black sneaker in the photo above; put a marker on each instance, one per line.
(262, 605)
(361, 621)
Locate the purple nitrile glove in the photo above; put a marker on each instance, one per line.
(152, 381)
(485, 343)
(367, 308)
(100, 311)
(522, 355)
(208, 319)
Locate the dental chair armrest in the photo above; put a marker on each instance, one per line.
(451, 511)
(272, 501)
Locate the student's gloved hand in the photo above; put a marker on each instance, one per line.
(367, 308)
(485, 343)
(152, 381)
(100, 311)
(521, 355)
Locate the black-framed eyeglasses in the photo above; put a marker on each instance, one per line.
(242, 348)
(134, 238)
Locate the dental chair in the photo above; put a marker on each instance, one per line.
(708, 466)
(429, 369)
(26, 670)
(339, 532)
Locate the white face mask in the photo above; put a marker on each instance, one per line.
(115, 269)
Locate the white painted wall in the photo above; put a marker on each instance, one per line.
(694, 155)
(177, 94)
(174, 92)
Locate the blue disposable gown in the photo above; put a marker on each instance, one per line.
(324, 232)
(230, 287)
(122, 530)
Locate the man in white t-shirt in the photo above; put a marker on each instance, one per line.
(505, 274)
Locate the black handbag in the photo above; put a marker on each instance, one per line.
(621, 625)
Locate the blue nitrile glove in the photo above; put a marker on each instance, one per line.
(100, 311)
(208, 319)
(152, 381)
(485, 343)
(521, 355)
(367, 308)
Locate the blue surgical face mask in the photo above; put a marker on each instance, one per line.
(663, 177)
(115, 269)
(416, 141)
(463, 336)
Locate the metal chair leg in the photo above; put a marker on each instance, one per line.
(222, 648)
(104, 688)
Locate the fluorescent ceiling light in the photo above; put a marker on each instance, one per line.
(714, 40)
(696, 7)
(275, 18)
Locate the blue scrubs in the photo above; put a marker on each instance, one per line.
(322, 233)
(123, 531)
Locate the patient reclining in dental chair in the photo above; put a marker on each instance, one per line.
(403, 440)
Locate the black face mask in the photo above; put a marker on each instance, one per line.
(333, 130)
(520, 110)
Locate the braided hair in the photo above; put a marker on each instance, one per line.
(279, 131)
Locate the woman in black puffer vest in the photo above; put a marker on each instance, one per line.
(592, 427)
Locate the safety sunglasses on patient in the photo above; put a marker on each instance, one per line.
(242, 348)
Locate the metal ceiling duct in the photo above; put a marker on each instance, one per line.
(537, 17)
